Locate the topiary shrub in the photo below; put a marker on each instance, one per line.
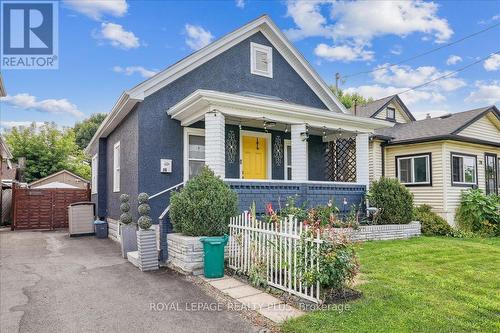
(203, 207)
(479, 213)
(432, 224)
(144, 221)
(394, 200)
(125, 217)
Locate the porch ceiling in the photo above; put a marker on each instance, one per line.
(193, 108)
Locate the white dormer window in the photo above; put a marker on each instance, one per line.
(261, 58)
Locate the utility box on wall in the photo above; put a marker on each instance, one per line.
(165, 165)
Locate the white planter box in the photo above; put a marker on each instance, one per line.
(146, 247)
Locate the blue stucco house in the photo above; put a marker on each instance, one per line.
(249, 106)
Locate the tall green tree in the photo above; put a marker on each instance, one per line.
(47, 150)
(85, 130)
(349, 99)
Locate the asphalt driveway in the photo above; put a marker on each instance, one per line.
(50, 282)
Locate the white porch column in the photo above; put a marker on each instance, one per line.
(362, 169)
(215, 138)
(299, 153)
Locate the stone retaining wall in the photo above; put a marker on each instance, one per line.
(386, 231)
(185, 253)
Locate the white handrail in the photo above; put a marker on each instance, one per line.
(164, 212)
(167, 190)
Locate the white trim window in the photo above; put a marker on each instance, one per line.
(414, 170)
(94, 166)
(463, 169)
(194, 151)
(116, 167)
(288, 159)
(390, 113)
(261, 60)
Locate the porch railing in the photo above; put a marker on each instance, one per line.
(281, 253)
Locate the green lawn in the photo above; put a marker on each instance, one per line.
(426, 284)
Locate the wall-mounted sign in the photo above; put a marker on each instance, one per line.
(165, 165)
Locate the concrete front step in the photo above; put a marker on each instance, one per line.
(133, 257)
(268, 306)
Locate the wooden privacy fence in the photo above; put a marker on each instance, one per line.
(281, 252)
(44, 208)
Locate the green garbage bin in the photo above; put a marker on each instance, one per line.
(213, 248)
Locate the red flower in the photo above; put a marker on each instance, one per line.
(269, 209)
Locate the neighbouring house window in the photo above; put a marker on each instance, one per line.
(490, 175)
(414, 170)
(463, 169)
(194, 149)
(261, 60)
(116, 167)
(94, 174)
(391, 113)
(288, 160)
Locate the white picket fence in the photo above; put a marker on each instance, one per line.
(274, 248)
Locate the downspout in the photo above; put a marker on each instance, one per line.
(382, 154)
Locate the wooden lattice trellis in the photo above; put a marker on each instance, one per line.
(340, 160)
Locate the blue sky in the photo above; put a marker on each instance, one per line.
(106, 47)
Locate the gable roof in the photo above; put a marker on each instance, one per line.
(439, 128)
(262, 24)
(371, 109)
(55, 174)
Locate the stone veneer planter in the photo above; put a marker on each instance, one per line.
(385, 231)
(185, 253)
(147, 251)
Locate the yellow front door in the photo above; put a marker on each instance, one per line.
(254, 157)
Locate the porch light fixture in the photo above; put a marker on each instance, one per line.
(304, 136)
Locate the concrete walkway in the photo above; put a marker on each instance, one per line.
(269, 306)
(50, 282)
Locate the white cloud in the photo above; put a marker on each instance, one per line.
(56, 106)
(342, 53)
(453, 60)
(129, 70)
(492, 63)
(364, 20)
(197, 37)
(95, 9)
(397, 50)
(487, 93)
(404, 76)
(117, 36)
(376, 92)
(240, 3)
(419, 115)
(358, 22)
(10, 124)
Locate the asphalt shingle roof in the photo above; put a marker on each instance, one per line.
(369, 109)
(433, 127)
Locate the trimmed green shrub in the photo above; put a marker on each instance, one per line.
(479, 213)
(203, 207)
(144, 221)
(394, 200)
(432, 224)
(125, 217)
